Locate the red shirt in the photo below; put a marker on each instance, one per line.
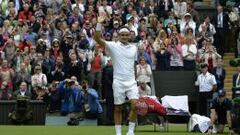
(96, 64)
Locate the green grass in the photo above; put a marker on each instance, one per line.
(88, 130)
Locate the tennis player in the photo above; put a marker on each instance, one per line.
(123, 54)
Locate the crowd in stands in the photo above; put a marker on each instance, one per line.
(46, 44)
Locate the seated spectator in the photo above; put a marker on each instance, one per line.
(5, 92)
(23, 91)
(144, 89)
(92, 106)
(40, 93)
(6, 74)
(22, 75)
(221, 113)
(144, 71)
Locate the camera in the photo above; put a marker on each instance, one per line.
(69, 83)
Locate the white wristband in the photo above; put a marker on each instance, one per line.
(99, 27)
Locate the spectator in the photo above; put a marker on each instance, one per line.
(70, 97)
(54, 99)
(107, 80)
(175, 50)
(5, 92)
(7, 74)
(22, 76)
(221, 23)
(186, 23)
(74, 68)
(26, 14)
(57, 73)
(210, 56)
(236, 83)
(144, 72)
(180, 8)
(40, 94)
(38, 79)
(144, 89)
(206, 31)
(92, 106)
(95, 74)
(220, 73)
(189, 54)
(23, 91)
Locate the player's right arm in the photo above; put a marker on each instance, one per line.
(97, 35)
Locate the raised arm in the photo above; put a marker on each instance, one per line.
(97, 34)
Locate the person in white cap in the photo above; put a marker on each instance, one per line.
(186, 23)
(123, 56)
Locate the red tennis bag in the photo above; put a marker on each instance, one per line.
(149, 105)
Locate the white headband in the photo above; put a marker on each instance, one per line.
(124, 30)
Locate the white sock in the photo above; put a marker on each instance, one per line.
(118, 129)
(131, 127)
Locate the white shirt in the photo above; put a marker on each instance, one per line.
(185, 25)
(144, 73)
(206, 82)
(189, 52)
(108, 9)
(123, 59)
(180, 8)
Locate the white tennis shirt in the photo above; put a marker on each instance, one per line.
(123, 58)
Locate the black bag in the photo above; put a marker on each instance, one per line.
(73, 122)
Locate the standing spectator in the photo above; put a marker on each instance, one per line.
(186, 23)
(163, 58)
(207, 85)
(189, 54)
(95, 74)
(107, 81)
(175, 50)
(144, 72)
(236, 83)
(221, 23)
(57, 74)
(210, 56)
(74, 68)
(180, 8)
(219, 73)
(206, 30)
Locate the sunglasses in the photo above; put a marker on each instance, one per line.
(126, 35)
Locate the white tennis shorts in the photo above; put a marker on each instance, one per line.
(123, 89)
